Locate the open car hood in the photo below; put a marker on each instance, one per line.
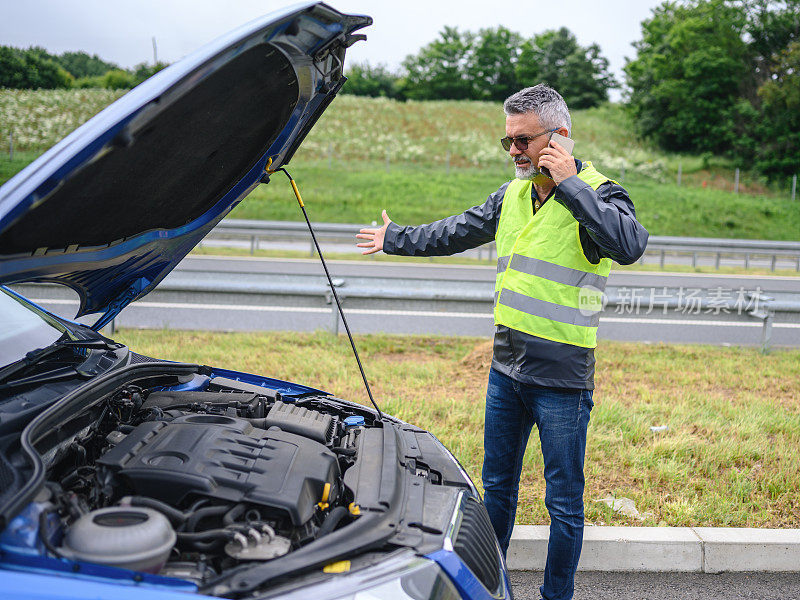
(112, 208)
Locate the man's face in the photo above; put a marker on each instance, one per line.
(526, 161)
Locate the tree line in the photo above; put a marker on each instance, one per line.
(708, 76)
(490, 65)
(721, 76)
(35, 67)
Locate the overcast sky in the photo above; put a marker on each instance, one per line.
(120, 31)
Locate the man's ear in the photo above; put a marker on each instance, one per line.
(563, 131)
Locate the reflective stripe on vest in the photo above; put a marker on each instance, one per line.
(545, 286)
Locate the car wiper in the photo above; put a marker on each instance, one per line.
(47, 377)
(35, 356)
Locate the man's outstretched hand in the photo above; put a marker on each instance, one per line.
(374, 237)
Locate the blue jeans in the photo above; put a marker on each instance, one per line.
(561, 416)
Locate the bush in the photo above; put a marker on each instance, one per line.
(31, 69)
(117, 79)
(89, 82)
(143, 71)
(376, 82)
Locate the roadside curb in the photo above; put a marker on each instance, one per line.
(664, 549)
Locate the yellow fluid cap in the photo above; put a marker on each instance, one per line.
(342, 566)
(326, 492)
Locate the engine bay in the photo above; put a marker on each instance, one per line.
(194, 483)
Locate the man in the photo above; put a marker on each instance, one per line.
(556, 236)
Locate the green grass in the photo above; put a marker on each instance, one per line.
(729, 457)
(444, 157)
(10, 167)
(413, 194)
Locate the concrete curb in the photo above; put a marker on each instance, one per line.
(678, 549)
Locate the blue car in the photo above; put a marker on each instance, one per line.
(126, 476)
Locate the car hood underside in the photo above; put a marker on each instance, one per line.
(112, 208)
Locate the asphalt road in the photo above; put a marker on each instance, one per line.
(668, 586)
(651, 258)
(247, 312)
(364, 267)
(625, 325)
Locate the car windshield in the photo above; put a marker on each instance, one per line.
(23, 328)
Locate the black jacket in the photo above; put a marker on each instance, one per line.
(608, 229)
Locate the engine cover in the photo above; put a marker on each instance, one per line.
(227, 459)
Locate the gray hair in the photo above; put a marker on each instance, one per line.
(543, 101)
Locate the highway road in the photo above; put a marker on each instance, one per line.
(668, 586)
(652, 258)
(239, 311)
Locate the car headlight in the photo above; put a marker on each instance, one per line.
(423, 580)
(402, 577)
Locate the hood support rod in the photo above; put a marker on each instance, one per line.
(333, 287)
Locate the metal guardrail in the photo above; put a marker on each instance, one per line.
(758, 305)
(661, 246)
(479, 296)
(747, 249)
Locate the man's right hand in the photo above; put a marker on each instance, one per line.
(374, 237)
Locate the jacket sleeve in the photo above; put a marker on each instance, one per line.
(608, 217)
(472, 228)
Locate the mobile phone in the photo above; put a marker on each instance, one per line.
(567, 143)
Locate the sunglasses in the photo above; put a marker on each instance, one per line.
(522, 141)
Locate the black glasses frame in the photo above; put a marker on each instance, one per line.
(522, 141)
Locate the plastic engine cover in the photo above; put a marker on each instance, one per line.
(227, 459)
(302, 421)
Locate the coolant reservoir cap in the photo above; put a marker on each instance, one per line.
(353, 421)
(130, 537)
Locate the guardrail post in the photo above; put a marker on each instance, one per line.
(746, 260)
(717, 261)
(794, 185)
(663, 256)
(694, 260)
(772, 264)
(11, 152)
(680, 172)
(329, 300)
(766, 314)
(252, 245)
(736, 182)
(766, 332)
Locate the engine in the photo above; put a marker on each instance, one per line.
(225, 459)
(190, 484)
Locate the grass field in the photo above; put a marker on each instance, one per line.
(426, 160)
(413, 194)
(729, 457)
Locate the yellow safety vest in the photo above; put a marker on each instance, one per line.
(545, 284)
